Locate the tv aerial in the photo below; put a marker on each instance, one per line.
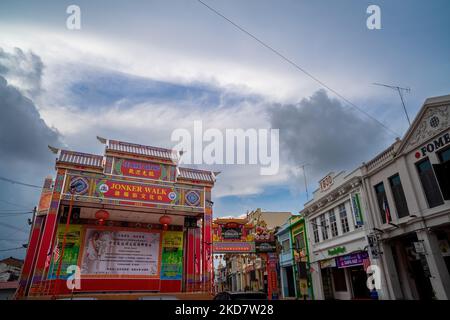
(400, 91)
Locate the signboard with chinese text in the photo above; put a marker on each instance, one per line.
(71, 249)
(117, 253)
(265, 246)
(105, 189)
(232, 246)
(141, 169)
(172, 255)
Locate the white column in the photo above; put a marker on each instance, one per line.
(283, 281)
(395, 290)
(316, 278)
(440, 278)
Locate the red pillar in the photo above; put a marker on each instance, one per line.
(30, 257)
(207, 244)
(272, 277)
(50, 228)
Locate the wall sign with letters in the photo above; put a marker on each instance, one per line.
(433, 146)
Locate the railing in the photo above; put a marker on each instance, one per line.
(287, 256)
(381, 158)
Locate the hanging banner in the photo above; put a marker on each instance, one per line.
(141, 169)
(114, 253)
(71, 250)
(172, 255)
(357, 212)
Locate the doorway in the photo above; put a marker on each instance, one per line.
(290, 281)
(326, 283)
(358, 278)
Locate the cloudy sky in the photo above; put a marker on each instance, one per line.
(138, 70)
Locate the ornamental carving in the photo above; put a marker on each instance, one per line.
(435, 120)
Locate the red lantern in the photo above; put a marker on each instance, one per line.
(101, 216)
(165, 221)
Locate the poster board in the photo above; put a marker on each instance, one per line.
(120, 253)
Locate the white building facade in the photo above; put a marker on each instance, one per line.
(336, 223)
(408, 196)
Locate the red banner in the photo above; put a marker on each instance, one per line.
(141, 169)
(130, 191)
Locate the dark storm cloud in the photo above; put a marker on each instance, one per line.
(321, 132)
(22, 68)
(23, 134)
(24, 137)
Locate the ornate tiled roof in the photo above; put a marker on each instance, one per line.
(197, 175)
(126, 147)
(79, 158)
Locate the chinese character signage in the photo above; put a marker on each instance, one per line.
(232, 231)
(71, 250)
(236, 247)
(141, 169)
(265, 246)
(104, 189)
(172, 255)
(112, 253)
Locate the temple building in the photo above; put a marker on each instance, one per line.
(129, 220)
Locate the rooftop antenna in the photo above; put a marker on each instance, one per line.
(400, 91)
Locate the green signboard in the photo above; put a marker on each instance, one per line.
(71, 250)
(336, 251)
(172, 255)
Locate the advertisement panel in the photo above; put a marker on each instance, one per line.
(172, 255)
(356, 207)
(353, 259)
(113, 253)
(71, 250)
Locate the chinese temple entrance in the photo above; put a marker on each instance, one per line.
(245, 257)
(130, 220)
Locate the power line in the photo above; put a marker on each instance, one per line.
(11, 249)
(13, 204)
(13, 211)
(20, 183)
(13, 227)
(299, 68)
(14, 214)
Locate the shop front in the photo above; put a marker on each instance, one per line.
(344, 277)
(131, 220)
